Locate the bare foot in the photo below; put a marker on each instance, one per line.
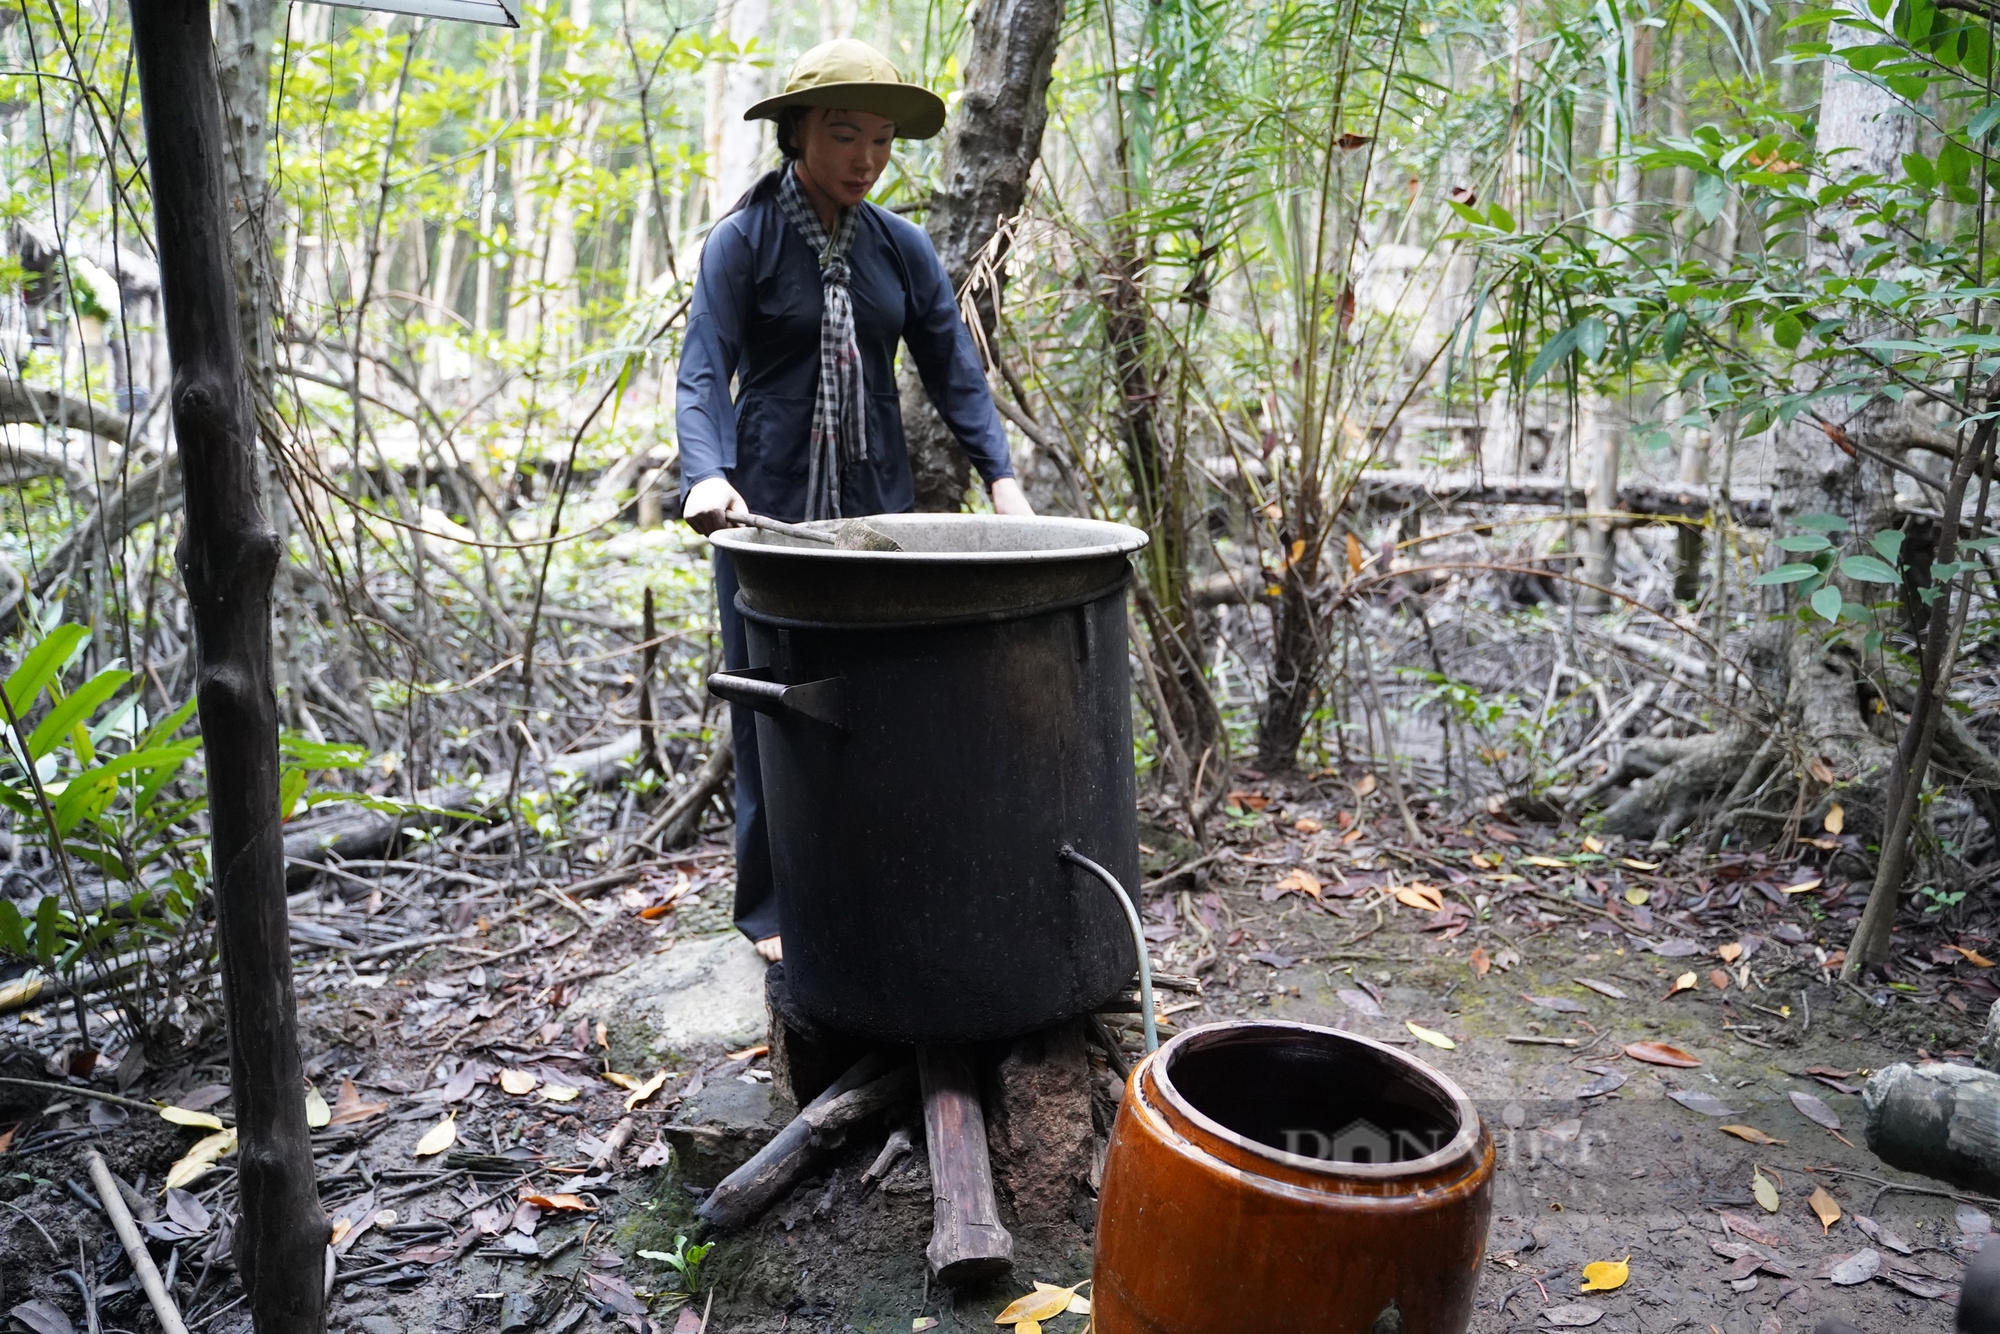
(772, 948)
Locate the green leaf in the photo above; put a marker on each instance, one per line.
(1827, 603)
(48, 929)
(13, 930)
(291, 786)
(1868, 570)
(1675, 331)
(1787, 574)
(1591, 336)
(1555, 350)
(1787, 332)
(1711, 193)
(1500, 217)
(75, 709)
(1954, 164)
(43, 662)
(1890, 543)
(310, 754)
(168, 725)
(1919, 169)
(1982, 124)
(1804, 542)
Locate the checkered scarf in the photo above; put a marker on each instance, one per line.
(839, 424)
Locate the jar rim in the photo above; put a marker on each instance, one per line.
(1160, 1067)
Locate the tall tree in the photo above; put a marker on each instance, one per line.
(228, 555)
(983, 179)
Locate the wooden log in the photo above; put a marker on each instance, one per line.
(1936, 1118)
(1642, 500)
(968, 1242)
(752, 1188)
(228, 556)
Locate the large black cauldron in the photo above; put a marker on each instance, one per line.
(935, 724)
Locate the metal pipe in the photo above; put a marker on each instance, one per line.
(1070, 854)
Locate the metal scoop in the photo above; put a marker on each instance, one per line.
(847, 534)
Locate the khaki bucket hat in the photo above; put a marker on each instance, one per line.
(853, 76)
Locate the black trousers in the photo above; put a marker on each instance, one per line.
(756, 895)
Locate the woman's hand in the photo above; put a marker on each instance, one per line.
(1009, 498)
(710, 504)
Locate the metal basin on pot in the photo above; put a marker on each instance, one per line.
(935, 724)
(1286, 1178)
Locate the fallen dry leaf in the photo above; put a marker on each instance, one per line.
(1973, 957)
(626, 1082)
(1365, 786)
(1573, 1316)
(1637, 897)
(1751, 1133)
(1554, 863)
(1825, 1208)
(1606, 1275)
(1719, 979)
(200, 1160)
(1430, 1035)
(1659, 1053)
(1601, 988)
(1750, 1230)
(349, 1108)
(181, 1116)
(518, 1082)
(1836, 819)
(560, 1203)
(1856, 1268)
(559, 1093)
(1731, 952)
(1685, 982)
(1820, 769)
(762, 1049)
(317, 1112)
(1479, 961)
(438, 1138)
(1041, 1304)
(1305, 824)
(1592, 843)
(1638, 865)
(1420, 896)
(7, 1137)
(1298, 881)
(1803, 886)
(1764, 1190)
(1814, 1109)
(646, 1090)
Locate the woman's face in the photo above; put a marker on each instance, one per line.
(844, 152)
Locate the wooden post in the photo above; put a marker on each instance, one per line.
(228, 555)
(967, 1241)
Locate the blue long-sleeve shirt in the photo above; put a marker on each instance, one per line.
(756, 317)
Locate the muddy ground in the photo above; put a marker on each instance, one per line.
(1316, 904)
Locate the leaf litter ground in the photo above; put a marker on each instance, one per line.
(531, 1208)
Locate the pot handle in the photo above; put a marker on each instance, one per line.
(822, 701)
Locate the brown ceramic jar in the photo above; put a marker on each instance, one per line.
(1277, 1177)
